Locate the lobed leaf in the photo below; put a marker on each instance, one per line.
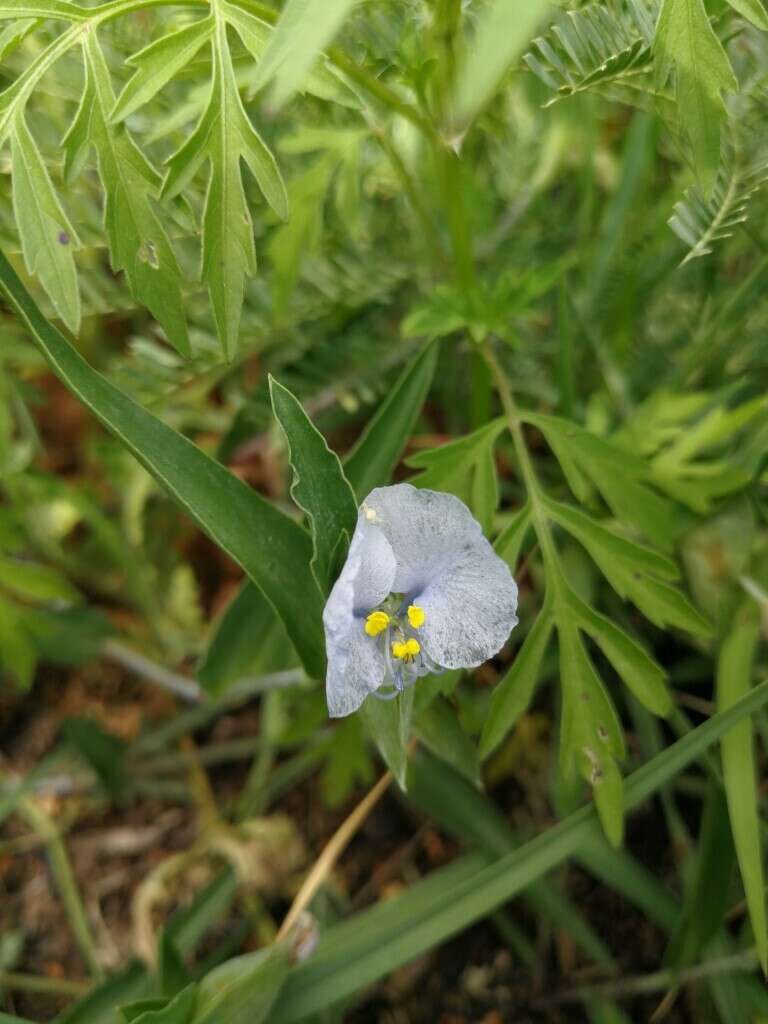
(47, 236)
(686, 41)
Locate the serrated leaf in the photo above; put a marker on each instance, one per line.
(304, 29)
(513, 695)
(273, 550)
(502, 34)
(644, 676)
(224, 135)
(244, 989)
(686, 41)
(158, 63)
(47, 236)
(734, 680)
(511, 539)
(388, 724)
(373, 459)
(319, 486)
(138, 242)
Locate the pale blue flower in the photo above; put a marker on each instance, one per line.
(421, 591)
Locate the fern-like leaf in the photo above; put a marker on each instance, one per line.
(593, 47)
(700, 223)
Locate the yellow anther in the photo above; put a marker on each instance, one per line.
(416, 616)
(376, 623)
(406, 650)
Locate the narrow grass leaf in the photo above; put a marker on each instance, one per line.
(373, 459)
(734, 672)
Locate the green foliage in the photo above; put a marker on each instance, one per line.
(466, 280)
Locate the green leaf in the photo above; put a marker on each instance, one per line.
(137, 240)
(244, 989)
(513, 695)
(224, 135)
(178, 1010)
(610, 545)
(99, 1006)
(158, 63)
(38, 584)
(465, 467)
(102, 751)
(686, 41)
(709, 883)
(752, 10)
(47, 236)
(373, 943)
(18, 653)
(510, 540)
(502, 34)
(319, 486)
(243, 642)
(734, 677)
(272, 549)
(373, 459)
(304, 29)
(438, 727)
(644, 676)
(619, 475)
(591, 733)
(61, 10)
(388, 723)
(348, 762)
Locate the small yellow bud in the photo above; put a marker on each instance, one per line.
(376, 623)
(416, 616)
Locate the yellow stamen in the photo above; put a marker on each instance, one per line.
(406, 650)
(416, 616)
(376, 623)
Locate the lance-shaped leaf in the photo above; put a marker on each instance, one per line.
(137, 240)
(273, 549)
(158, 63)
(319, 485)
(47, 237)
(686, 41)
(304, 28)
(224, 135)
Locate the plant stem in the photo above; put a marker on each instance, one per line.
(43, 985)
(61, 869)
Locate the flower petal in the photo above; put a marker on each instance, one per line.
(356, 665)
(447, 567)
(470, 609)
